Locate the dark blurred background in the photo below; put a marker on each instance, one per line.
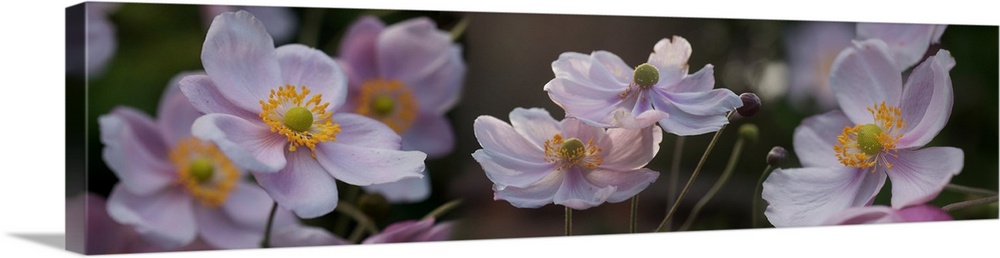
(509, 60)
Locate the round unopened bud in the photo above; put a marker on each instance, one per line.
(375, 205)
(751, 104)
(646, 75)
(776, 156)
(749, 132)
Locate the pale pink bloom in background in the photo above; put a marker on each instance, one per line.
(406, 75)
(424, 230)
(99, 42)
(600, 90)
(879, 131)
(536, 160)
(811, 48)
(272, 111)
(883, 214)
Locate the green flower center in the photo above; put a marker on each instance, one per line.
(201, 170)
(868, 139)
(646, 75)
(573, 148)
(298, 119)
(383, 105)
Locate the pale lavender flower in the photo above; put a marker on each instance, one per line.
(883, 214)
(811, 48)
(906, 42)
(99, 43)
(406, 75)
(174, 187)
(601, 90)
(271, 110)
(101, 234)
(280, 22)
(536, 160)
(878, 132)
(412, 231)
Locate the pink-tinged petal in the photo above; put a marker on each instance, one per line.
(251, 146)
(303, 186)
(589, 102)
(927, 100)
(239, 222)
(175, 114)
(358, 130)
(864, 215)
(412, 49)
(670, 58)
(363, 166)
(204, 95)
(631, 120)
(631, 149)
(922, 213)
(408, 190)
(289, 232)
(815, 137)
(432, 135)
(919, 175)
(135, 151)
(938, 32)
(626, 183)
(497, 137)
(608, 69)
(438, 91)
(164, 218)
(865, 75)
(532, 196)
(412, 231)
(701, 81)
(357, 50)
(808, 196)
(280, 22)
(579, 193)
(239, 55)
(574, 128)
(534, 124)
(306, 66)
(505, 170)
(694, 113)
(908, 42)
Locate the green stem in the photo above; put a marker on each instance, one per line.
(363, 220)
(697, 169)
(342, 223)
(444, 208)
(675, 174)
(726, 173)
(633, 221)
(757, 193)
(969, 190)
(356, 235)
(569, 221)
(970, 203)
(459, 29)
(266, 243)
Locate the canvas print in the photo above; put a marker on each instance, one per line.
(197, 127)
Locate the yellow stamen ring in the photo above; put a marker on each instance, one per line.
(572, 152)
(303, 122)
(866, 145)
(204, 171)
(388, 101)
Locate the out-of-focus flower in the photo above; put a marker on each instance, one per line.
(906, 42)
(406, 75)
(174, 187)
(99, 42)
(412, 231)
(536, 160)
(810, 48)
(601, 90)
(877, 133)
(280, 22)
(883, 214)
(101, 234)
(272, 112)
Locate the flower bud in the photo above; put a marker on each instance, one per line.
(749, 132)
(776, 156)
(751, 104)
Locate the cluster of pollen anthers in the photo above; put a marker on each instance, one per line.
(204, 171)
(389, 102)
(572, 152)
(865, 146)
(303, 122)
